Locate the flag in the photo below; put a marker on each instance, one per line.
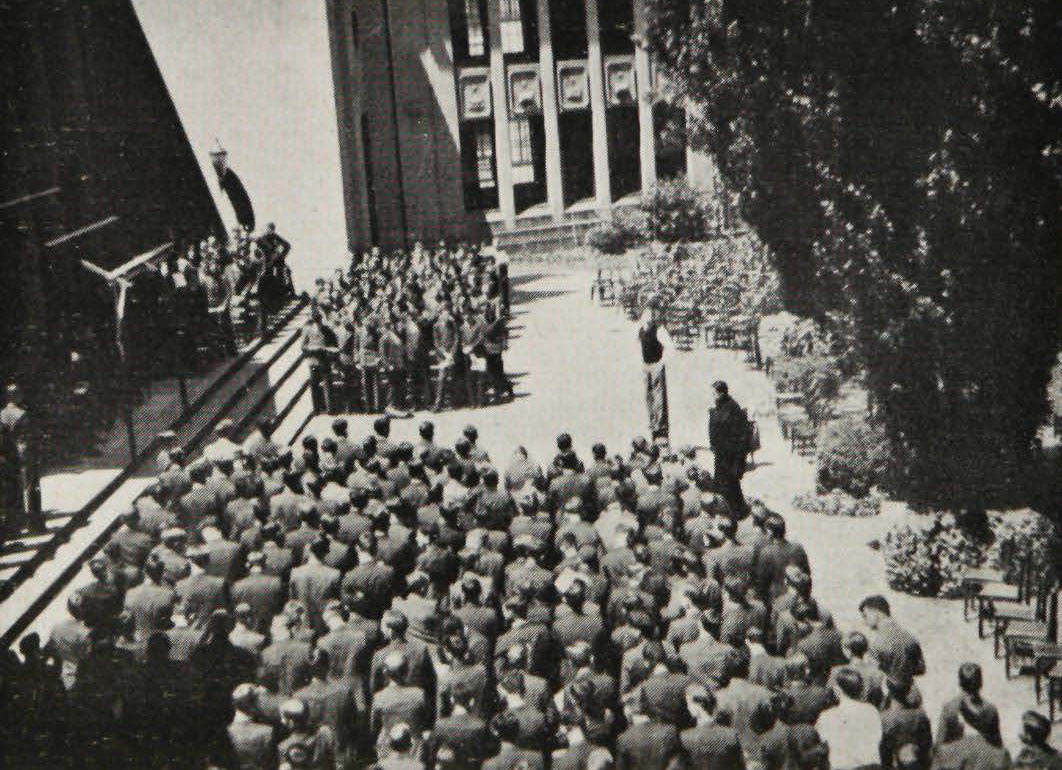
(238, 197)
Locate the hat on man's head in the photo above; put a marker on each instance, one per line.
(527, 543)
(395, 620)
(173, 533)
(1035, 727)
(199, 554)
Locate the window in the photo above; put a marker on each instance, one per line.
(485, 155)
(523, 161)
(512, 27)
(474, 25)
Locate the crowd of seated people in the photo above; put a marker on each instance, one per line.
(361, 601)
(416, 329)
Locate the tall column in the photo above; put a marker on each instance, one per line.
(595, 66)
(503, 148)
(644, 75)
(547, 71)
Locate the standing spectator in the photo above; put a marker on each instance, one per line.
(728, 435)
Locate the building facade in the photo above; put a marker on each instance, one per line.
(521, 120)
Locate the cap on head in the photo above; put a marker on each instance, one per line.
(1035, 727)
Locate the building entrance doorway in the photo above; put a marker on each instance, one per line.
(577, 156)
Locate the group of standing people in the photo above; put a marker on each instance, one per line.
(410, 329)
(404, 605)
(239, 283)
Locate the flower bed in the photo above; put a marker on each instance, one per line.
(839, 503)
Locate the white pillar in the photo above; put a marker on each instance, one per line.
(547, 71)
(644, 76)
(503, 151)
(596, 77)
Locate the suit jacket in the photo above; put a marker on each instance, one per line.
(570, 626)
(569, 485)
(314, 584)
(649, 746)
(896, 650)
(728, 428)
(376, 580)
(471, 675)
(771, 560)
(467, 735)
(198, 506)
(904, 721)
(713, 747)
(664, 698)
(395, 704)
(200, 595)
(145, 603)
(284, 509)
(574, 757)
(950, 725)
(226, 559)
(510, 757)
(971, 752)
(133, 545)
(254, 745)
(263, 593)
(332, 703)
(420, 671)
(278, 560)
(284, 664)
(740, 699)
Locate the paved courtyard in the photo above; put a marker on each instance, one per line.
(578, 370)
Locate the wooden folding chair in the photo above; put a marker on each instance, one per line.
(1022, 639)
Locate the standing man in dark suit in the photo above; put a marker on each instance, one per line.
(648, 744)
(314, 583)
(895, 648)
(710, 745)
(263, 593)
(728, 435)
(253, 744)
(22, 475)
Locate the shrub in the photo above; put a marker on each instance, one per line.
(1021, 533)
(853, 455)
(909, 562)
(839, 503)
(928, 558)
(675, 212)
(614, 236)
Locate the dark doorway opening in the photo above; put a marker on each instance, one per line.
(577, 155)
(568, 25)
(621, 124)
(616, 18)
(529, 161)
(669, 134)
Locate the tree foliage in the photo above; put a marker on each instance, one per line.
(902, 161)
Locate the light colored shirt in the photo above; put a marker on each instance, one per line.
(853, 731)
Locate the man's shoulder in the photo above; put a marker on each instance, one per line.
(712, 734)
